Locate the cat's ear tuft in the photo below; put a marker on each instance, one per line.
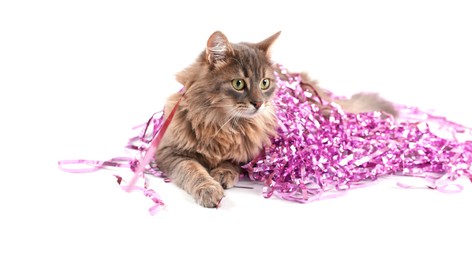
(218, 48)
(265, 44)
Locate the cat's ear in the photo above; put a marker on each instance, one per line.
(218, 48)
(265, 44)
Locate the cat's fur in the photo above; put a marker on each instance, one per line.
(217, 127)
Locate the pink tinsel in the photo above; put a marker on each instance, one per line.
(315, 153)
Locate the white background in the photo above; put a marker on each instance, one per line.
(75, 76)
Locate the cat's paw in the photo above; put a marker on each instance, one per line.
(226, 175)
(209, 195)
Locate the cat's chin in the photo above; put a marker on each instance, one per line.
(249, 116)
(251, 113)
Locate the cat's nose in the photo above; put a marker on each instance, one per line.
(256, 104)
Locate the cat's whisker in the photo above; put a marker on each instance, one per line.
(235, 121)
(216, 134)
(218, 105)
(221, 127)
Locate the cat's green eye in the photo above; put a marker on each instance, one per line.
(265, 84)
(238, 84)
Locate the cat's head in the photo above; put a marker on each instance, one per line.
(233, 79)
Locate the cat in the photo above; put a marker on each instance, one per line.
(225, 117)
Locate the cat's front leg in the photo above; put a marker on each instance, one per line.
(190, 175)
(227, 174)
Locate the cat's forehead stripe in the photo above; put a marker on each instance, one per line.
(251, 64)
(245, 71)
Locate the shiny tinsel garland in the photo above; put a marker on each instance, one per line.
(315, 153)
(318, 153)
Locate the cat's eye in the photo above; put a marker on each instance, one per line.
(238, 84)
(265, 84)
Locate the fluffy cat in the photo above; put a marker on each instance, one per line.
(226, 117)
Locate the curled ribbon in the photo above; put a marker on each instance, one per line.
(138, 166)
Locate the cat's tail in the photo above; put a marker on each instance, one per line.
(367, 102)
(358, 103)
